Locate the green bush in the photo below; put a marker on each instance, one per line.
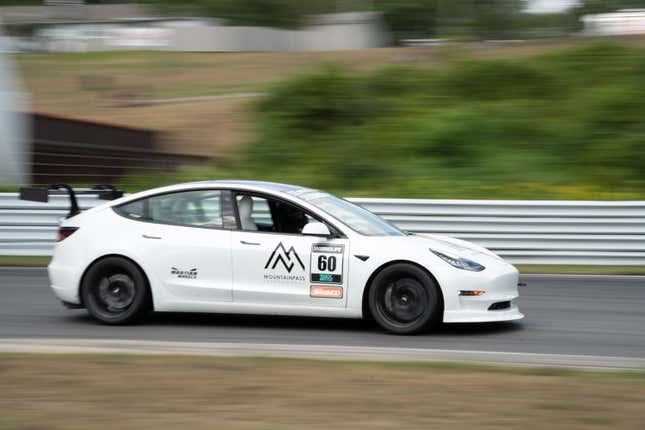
(567, 125)
(501, 80)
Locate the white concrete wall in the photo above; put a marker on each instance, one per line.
(338, 37)
(327, 33)
(312, 38)
(234, 39)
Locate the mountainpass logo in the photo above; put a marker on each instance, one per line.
(287, 258)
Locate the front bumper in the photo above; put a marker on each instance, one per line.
(498, 303)
(474, 316)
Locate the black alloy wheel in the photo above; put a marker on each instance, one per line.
(115, 291)
(404, 299)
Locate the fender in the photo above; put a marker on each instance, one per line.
(366, 289)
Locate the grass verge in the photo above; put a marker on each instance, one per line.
(24, 260)
(580, 270)
(150, 392)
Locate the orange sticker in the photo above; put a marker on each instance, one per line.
(326, 292)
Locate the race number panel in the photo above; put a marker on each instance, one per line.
(327, 263)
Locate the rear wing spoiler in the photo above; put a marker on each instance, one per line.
(103, 192)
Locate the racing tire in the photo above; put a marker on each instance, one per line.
(404, 299)
(115, 291)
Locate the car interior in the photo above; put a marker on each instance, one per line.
(261, 214)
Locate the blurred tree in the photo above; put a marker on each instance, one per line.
(20, 2)
(410, 18)
(436, 18)
(269, 13)
(535, 25)
(406, 18)
(495, 18)
(600, 6)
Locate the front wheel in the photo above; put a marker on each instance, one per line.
(115, 291)
(404, 299)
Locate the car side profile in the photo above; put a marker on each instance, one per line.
(266, 248)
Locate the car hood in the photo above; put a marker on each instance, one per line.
(451, 245)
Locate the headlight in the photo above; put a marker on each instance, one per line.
(459, 262)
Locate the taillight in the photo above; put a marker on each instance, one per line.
(64, 233)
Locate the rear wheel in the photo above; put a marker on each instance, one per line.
(404, 299)
(115, 291)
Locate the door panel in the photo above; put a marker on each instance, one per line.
(192, 263)
(276, 269)
(187, 238)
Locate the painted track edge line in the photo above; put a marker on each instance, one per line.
(324, 352)
(581, 276)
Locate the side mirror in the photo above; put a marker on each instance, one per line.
(316, 229)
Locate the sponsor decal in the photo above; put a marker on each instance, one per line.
(327, 263)
(324, 247)
(184, 274)
(289, 259)
(326, 291)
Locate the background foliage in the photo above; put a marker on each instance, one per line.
(563, 125)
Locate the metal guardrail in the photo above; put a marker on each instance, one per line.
(530, 232)
(523, 232)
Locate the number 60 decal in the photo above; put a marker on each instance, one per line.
(327, 263)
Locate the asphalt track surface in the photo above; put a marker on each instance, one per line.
(572, 315)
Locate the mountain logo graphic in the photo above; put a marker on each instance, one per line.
(287, 258)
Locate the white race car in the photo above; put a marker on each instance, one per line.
(268, 248)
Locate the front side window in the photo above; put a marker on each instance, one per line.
(200, 208)
(258, 213)
(353, 216)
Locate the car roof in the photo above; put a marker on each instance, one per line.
(257, 185)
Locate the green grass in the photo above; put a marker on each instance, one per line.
(199, 392)
(24, 260)
(580, 270)
(177, 91)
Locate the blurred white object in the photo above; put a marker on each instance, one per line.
(424, 42)
(139, 37)
(341, 31)
(13, 127)
(102, 37)
(626, 21)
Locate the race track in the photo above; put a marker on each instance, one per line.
(568, 315)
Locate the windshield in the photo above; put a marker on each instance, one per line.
(353, 216)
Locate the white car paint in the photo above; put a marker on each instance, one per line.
(237, 273)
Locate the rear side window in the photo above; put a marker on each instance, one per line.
(202, 208)
(133, 210)
(197, 208)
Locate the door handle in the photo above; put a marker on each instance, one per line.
(244, 242)
(145, 236)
